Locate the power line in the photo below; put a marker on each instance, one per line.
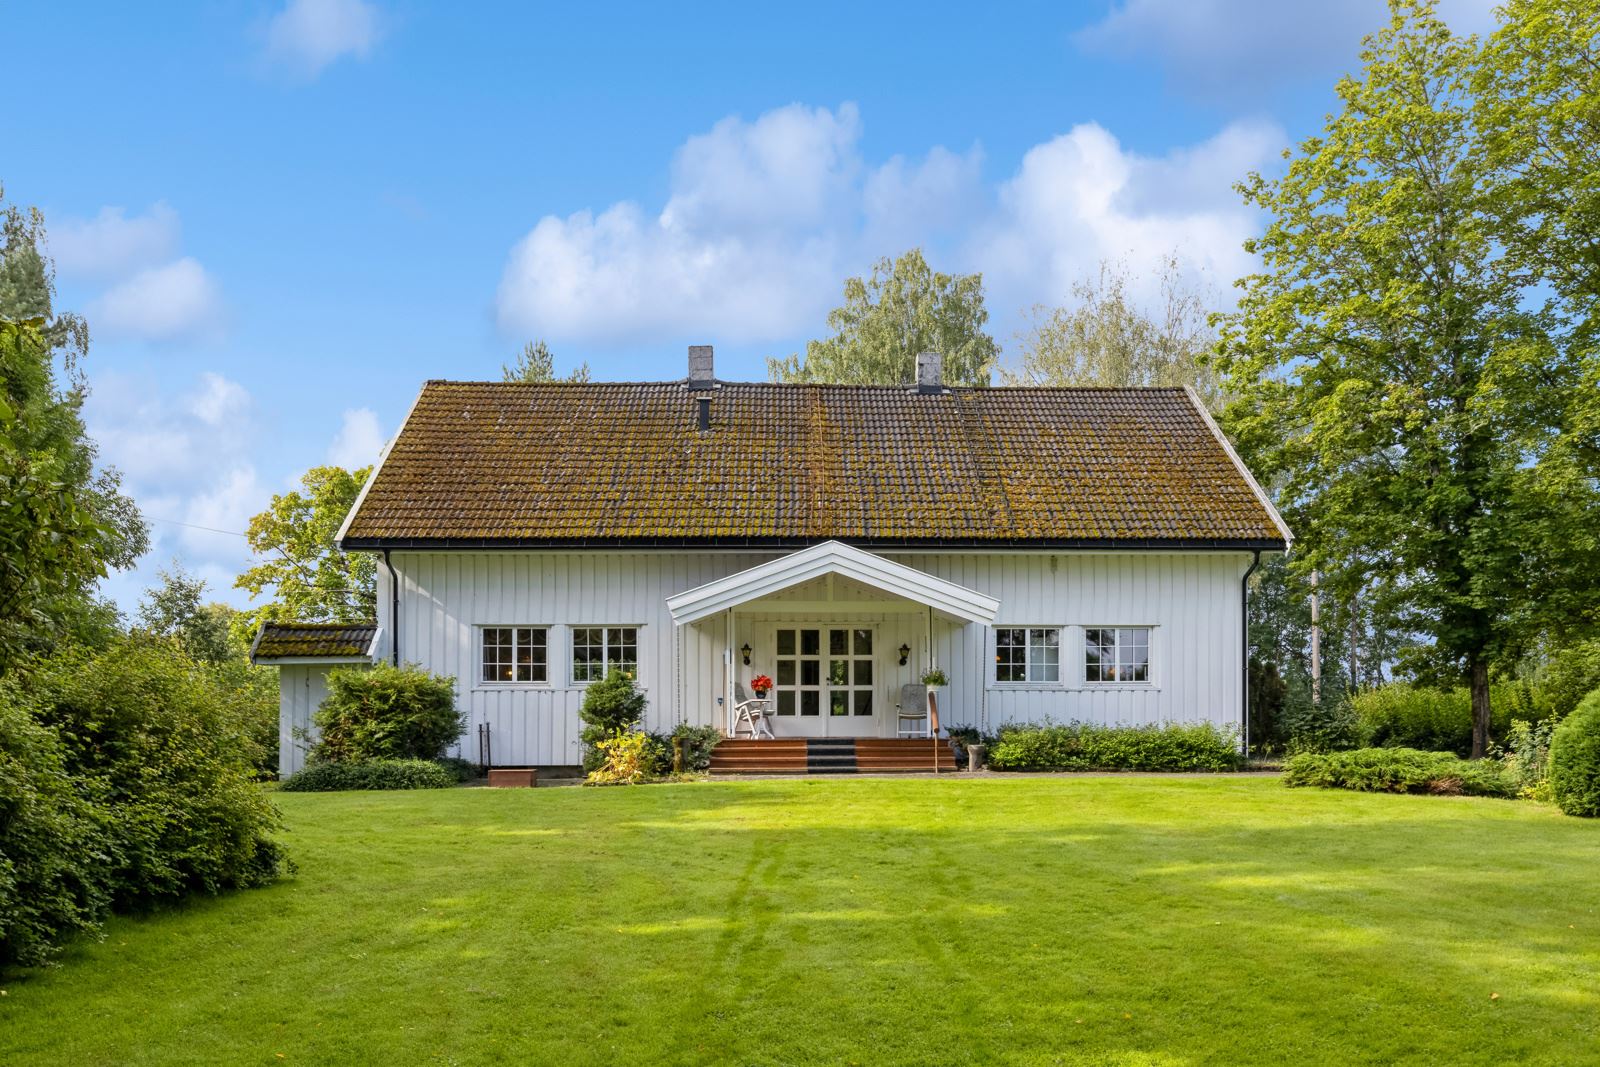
(192, 526)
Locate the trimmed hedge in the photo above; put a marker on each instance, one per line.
(1400, 770)
(1574, 773)
(1087, 747)
(370, 774)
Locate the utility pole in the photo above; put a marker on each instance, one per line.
(1355, 637)
(1316, 644)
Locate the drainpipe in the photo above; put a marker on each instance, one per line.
(394, 610)
(1244, 649)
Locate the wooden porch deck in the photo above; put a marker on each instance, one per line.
(831, 755)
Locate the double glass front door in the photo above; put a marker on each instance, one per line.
(824, 681)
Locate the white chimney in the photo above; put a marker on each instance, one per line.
(930, 372)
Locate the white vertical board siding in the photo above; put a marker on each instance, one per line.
(1190, 599)
(301, 689)
(446, 596)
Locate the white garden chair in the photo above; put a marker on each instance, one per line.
(750, 713)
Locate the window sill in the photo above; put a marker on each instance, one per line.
(502, 686)
(1062, 687)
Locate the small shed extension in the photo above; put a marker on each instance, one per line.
(304, 652)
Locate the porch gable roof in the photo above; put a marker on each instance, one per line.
(832, 557)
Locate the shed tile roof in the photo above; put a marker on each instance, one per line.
(333, 640)
(567, 463)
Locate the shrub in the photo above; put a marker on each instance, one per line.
(161, 749)
(1085, 747)
(1575, 760)
(1526, 757)
(1326, 727)
(611, 706)
(625, 759)
(1572, 675)
(53, 876)
(1437, 720)
(386, 713)
(371, 774)
(463, 770)
(698, 741)
(1399, 770)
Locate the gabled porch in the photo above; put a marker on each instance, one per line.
(840, 632)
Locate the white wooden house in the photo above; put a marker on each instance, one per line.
(1062, 554)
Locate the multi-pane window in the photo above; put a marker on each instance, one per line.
(1116, 654)
(596, 650)
(1027, 654)
(514, 654)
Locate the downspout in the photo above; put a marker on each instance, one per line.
(394, 610)
(1244, 649)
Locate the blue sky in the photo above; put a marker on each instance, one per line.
(280, 218)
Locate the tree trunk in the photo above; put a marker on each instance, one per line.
(1480, 707)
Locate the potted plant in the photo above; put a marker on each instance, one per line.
(761, 685)
(935, 678)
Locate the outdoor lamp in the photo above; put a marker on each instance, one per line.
(744, 650)
(905, 652)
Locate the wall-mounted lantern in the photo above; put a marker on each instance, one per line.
(745, 651)
(905, 654)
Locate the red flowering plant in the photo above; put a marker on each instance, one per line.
(761, 684)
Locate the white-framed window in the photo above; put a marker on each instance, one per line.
(1027, 654)
(512, 654)
(1116, 655)
(598, 649)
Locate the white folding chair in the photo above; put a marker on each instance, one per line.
(751, 714)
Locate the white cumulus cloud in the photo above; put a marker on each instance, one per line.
(747, 244)
(188, 460)
(1235, 49)
(1081, 199)
(765, 218)
(112, 245)
(173, 302)
(308, 35)
(359, 440)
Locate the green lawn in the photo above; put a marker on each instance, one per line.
(1114, 920)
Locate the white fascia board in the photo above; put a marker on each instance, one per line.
(831, 557)
(1239, 464)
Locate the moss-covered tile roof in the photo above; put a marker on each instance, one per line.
(497, 463)
(321, 640)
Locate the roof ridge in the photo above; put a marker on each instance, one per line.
(907, 389)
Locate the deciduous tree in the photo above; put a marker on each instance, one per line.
(1390, 366)
(903, 309)
(1105, 338)
(309, 578)
(63, 524)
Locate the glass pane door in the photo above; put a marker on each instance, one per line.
(798, 684)
(823, 681)
(849, 672)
